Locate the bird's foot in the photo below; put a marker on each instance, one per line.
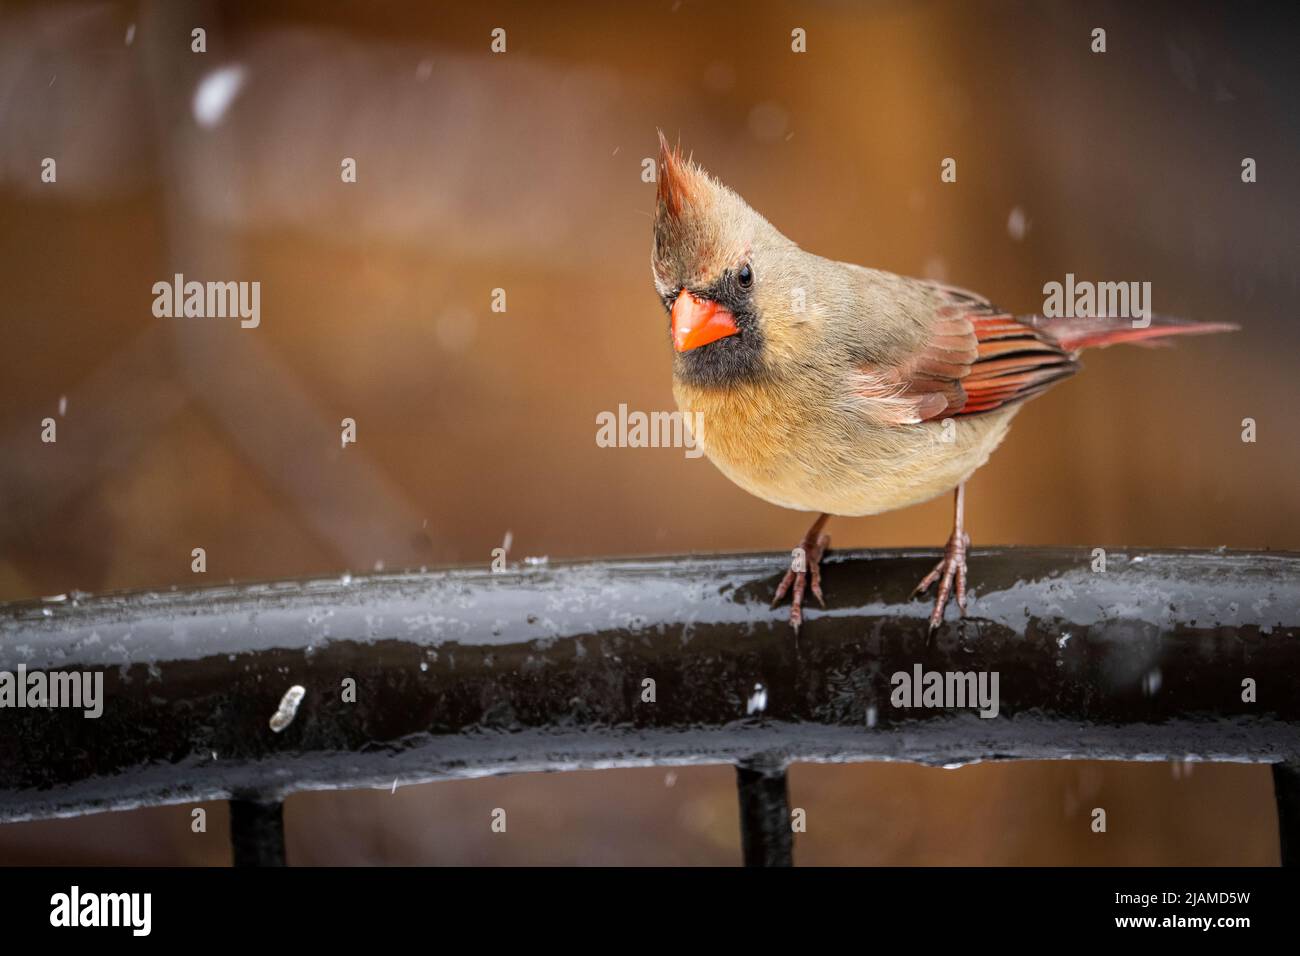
(805, 572)
(951, 567)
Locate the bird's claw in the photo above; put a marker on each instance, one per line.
(810, 578)
(951, 568)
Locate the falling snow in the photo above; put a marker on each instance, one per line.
(215, 93)
(1017, 224)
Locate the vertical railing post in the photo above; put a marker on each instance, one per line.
(1286, 787)
(257, 831)
(766, 838)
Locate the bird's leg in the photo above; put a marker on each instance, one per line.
(805, 570)
(953, 564)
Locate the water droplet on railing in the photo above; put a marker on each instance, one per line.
(1151, 682)
(288, 709)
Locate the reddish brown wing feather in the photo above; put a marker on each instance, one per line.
(1016, 361)
(978, 359)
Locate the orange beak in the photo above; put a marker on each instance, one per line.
(698, 322)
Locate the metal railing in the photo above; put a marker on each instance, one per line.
(419, 677)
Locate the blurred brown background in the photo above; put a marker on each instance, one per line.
(522, 171)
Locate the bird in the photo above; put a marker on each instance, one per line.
(836, 389)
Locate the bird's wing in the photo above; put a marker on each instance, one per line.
(974, 358)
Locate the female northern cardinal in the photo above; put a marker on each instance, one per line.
(832, 388)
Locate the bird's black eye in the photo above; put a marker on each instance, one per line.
(746, 276)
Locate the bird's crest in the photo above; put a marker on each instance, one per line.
(701, 227)
(678, 180)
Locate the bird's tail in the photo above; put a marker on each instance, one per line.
(1076, 334)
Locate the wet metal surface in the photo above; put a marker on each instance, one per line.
(465, 673)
